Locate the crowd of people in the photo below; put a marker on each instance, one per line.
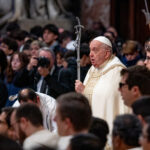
(43, 105)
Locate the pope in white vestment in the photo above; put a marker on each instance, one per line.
(102, 82)
(101, 88)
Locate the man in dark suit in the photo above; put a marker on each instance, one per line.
(46, 78)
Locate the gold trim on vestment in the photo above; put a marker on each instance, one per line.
(94, 76)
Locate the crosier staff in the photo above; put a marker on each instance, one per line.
(146, 13)
(77, 45)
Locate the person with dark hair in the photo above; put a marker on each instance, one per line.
(88, 35)
(3, 94)
(27, 121)
(84, 60)
(19, 36)
(26, 49)
(73, 116)
(64, 38)
(36, 31)
(50, 36)
(5, 124)
(134, 83)
(126, 132)
(35, 47)
(68, 74)
(46, 103)
(8, 144)
(145, 136)
(46, 79)
(42, 74)
(11, 27)
(17, 66)
(3, 64)
(84, 142)
(9, 46)
(99, 128)
(141, 108)
(59, 59)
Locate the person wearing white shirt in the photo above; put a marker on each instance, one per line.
(46, 103)
(73, 116)
(127, 129)
(27, 122)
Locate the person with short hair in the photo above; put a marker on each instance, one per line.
(126, 132)
(46, 104)
(134, 83)
(50, 36)
(64, 38)
(99, 128)
(44, 76)
(141, 108)
(17, 66)
(9, 46)
(84, 142)
(101, 82)
(5, 125)
(84, 60)
(27, 121)
(73, 116)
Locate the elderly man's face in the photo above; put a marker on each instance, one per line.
(98, 54)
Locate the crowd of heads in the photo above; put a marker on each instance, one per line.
(37, 53)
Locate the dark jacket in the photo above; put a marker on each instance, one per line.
(3, 94)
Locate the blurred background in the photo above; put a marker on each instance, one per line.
(125, 15)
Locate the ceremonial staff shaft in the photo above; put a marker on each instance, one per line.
(77, 45)
(146, 13)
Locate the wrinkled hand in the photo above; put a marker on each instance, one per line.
(79, 87)
(43, 71)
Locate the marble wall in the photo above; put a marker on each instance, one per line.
(93, 10)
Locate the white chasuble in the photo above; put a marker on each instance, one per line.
(101, 89)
